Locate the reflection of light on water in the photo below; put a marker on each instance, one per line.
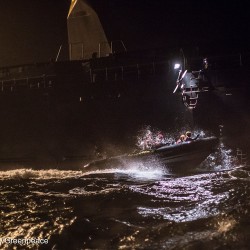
(27, 212)
(38, 174)
(33, 228)
(186, 199)
(226, 225)
(104, 191)
(135, 170)
(185, 214)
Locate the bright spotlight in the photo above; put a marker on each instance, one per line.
(177, 66)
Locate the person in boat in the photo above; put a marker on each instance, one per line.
(147, 141)
(159, 139)
(145, 144)
(188, 137)
(181, 139)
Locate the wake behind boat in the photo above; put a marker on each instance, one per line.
(176, 157)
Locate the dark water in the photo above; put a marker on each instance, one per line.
(132, 208)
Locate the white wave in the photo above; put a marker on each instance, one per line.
(146, 174)
(134, 170)
(38, 174)
(222, 159)
(83, 192)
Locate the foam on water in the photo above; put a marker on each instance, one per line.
(140, 171)
(135, 170)
(38, 174)
(222, 159)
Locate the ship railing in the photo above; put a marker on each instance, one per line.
(32, 82)
(117, 46)
(133, 71)
(78, 50)
(35, 68)
(242, 157)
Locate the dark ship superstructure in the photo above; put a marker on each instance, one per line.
(60, 110)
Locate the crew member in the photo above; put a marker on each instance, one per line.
(159, 140)
(189, 138)
(181, 139)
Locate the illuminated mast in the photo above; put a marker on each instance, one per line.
(85, 32)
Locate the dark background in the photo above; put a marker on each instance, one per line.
(33, 30)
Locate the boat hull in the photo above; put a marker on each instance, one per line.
(175, 158)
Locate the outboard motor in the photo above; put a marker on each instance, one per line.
(189, 87)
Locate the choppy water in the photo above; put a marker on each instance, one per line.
(131, 208)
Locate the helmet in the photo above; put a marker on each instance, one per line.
(188, 133)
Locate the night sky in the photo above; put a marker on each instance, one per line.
(33, 30)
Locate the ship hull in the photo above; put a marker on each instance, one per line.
(59, 112)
